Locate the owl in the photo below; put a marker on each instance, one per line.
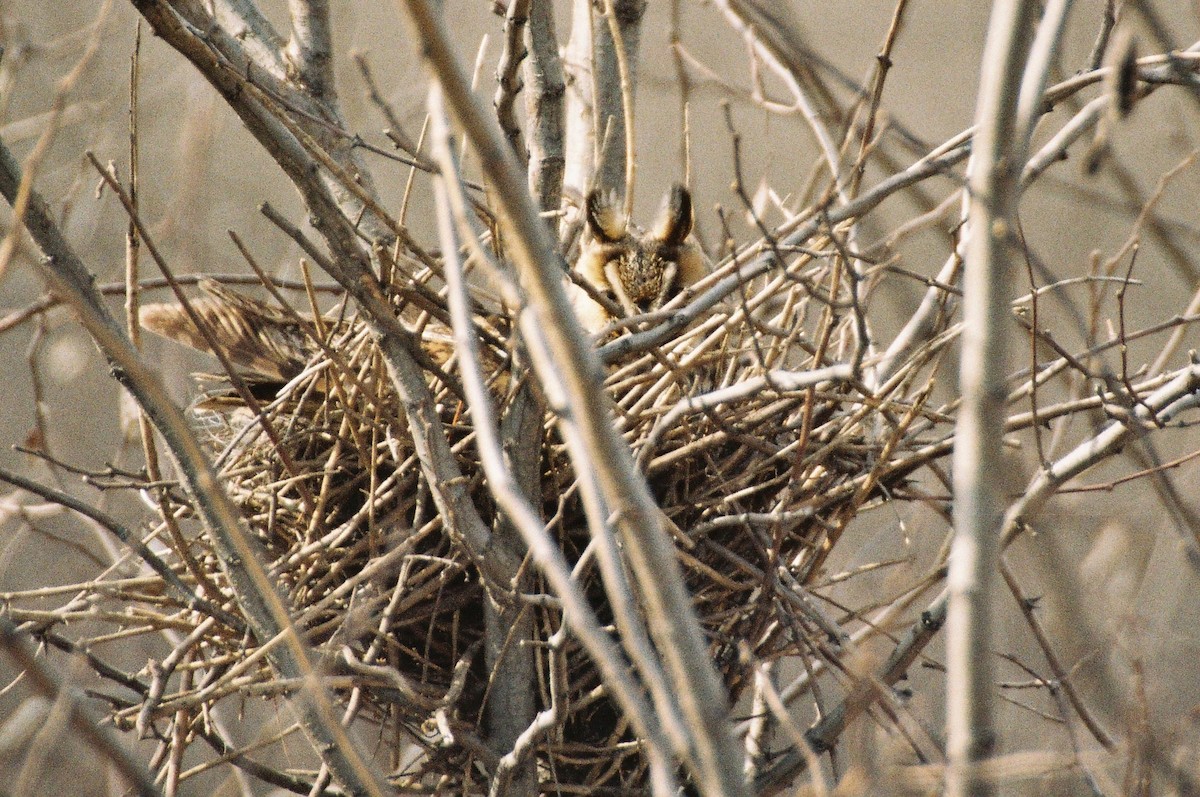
(635, 272)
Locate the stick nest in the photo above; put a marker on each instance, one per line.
(759, 489)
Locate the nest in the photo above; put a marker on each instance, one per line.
(758, 478)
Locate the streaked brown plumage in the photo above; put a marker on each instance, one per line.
(270, 346)
(264, 340)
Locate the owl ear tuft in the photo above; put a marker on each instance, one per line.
(675, 220)
(603, 220)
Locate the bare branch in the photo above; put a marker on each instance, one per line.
(310, 50)
(127, 537)
(580, 103)
(544, 94)
(994, 173)
(246, 23)
(742, 16)
(508, 81)
(615, 38)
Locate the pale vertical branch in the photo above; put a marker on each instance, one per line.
(309, 55)
(508, 75)
(993, 182)
(513, 708)
(133, 245)
(547, 720)
(544, 106)
(1042, 56)
(713, 755)
(510, 624)
(512, 711)
(579, 109)
(684, 80)
(758, 735)
(513, 700)
(1108, 21)
(614, 81)
(883, 65)
(310, 50)
(132, 242)
(625, 55)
